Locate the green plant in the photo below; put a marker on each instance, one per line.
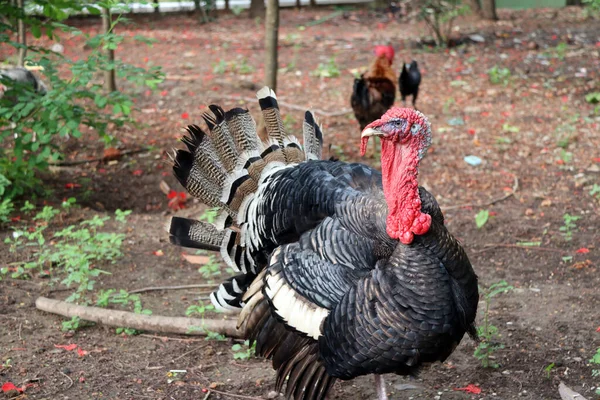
(327, 70)
(199, 309)
(71, 325)
(243, 352)
(569, 225)
(560, 51)
(488, 333)
(566, 156)
(30, 123)
(510, 128)
(499, 75)
(592, 8)
(124, 299)
(73, 251)
(595, 361)
(595, 191)
(549, 369)
(439, 15)
(242, 67)
(593, 98)
(6, 206)
(220, 68)
(481, 218)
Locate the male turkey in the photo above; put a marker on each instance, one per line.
(344, 271)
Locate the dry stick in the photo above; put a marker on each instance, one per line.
(190, 352)
(155, 323)
(91, 160)
(68, 377)
(490, 203)
(167, 338)
(490, 246)
(153, 288)
(239, 396)
(292, 106)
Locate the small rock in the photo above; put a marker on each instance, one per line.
(272, 394)
(57, 48)
(406, 386)
(477, 38)
(473, 160)
(533, 45)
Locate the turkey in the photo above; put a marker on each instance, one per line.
(343, 271)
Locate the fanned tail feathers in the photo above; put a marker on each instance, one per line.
(224, 168)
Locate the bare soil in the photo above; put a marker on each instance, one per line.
(553, 314)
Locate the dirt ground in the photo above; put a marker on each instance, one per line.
(517, 130)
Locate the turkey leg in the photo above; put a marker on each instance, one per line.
(380, 384)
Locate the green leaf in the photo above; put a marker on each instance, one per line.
(36, 31)
(481, 218)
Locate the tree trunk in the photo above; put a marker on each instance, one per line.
(110, 84)
(488, 9)
(474, 6)
(574, 2)
(257, 8)
(226, 5)
(271, 33)
(21, 34)
(313, 3)
(298, 4)
(157, 6)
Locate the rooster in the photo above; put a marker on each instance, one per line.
(343, 270)
(409, 81)
(375, 91)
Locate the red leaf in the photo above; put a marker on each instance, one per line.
(596, 159)
(67, 347)
(164, 93)
(72, 185)
(470, 388)
(9, 386)
(583, 250)
(15, 219)
(598, 330)
(471, 131)
(185, 115)
(172, 194)
(138, 172)
(81, 352)
(158, 253)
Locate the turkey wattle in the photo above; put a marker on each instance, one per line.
(344, 271)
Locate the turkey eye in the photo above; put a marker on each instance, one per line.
(415, 128)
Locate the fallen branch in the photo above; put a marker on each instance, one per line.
(490, 203)
(154, 323)
(97, 159)
(237, 396)
(490, 246)
(155, 288)
(291, 106)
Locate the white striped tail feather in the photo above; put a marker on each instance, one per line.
(230, 168)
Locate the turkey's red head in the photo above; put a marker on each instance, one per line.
(386, 51)
(405, 136)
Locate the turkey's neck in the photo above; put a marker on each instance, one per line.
(399, 167)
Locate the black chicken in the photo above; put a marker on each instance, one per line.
(409, 81)
(345, 271)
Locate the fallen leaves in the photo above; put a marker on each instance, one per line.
(10, 387)
(583, 250)
(137, 172)
(470, 388)
(72, 185)
(71, 347)
(194, 259)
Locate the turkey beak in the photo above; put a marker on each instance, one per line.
(364, 138)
